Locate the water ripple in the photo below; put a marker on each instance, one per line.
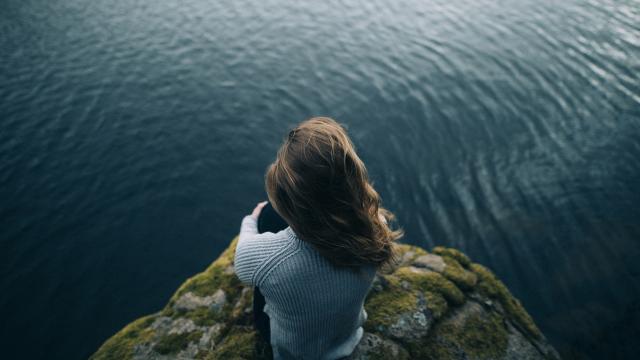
(136, 131)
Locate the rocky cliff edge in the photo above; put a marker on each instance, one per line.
(435, 305)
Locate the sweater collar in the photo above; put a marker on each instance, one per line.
(290, 234)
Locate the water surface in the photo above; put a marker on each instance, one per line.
(134, 136)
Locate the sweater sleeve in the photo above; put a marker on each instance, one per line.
(248, 227)
(254, 251)
(247, 259)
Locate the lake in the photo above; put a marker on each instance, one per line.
(135, 135)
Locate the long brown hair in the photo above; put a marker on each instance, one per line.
(320, 186)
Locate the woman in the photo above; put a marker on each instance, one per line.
(313, 259)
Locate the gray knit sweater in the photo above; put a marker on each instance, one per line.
(315, 309)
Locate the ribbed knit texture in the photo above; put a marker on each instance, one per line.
(315, 309)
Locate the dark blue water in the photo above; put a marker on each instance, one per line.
(134, 136)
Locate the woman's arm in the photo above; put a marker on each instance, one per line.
(248, 227)
(247, 259)
(249, 224)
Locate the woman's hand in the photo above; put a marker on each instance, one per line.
(258, 209)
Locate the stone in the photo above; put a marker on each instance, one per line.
(181, 326)
(190, 301)
(427, 306)
(430, 261)
(372, 346)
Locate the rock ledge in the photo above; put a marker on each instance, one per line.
(436, 305)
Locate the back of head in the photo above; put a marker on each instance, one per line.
(319, 185)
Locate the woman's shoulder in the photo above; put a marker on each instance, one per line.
(267, 243)
(258, 253)
(303, 259)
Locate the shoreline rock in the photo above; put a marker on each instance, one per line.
(435, 305)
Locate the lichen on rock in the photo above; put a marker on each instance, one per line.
(437, 305)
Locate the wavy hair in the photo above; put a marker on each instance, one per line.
(320, 186)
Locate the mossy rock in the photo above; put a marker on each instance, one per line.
(492, 287)
(121, 345)
(176, 342)
(437, 305)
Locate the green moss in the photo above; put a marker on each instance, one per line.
(418, 251)
(173, 343)
(226, 258)
(207, 283)
(383, 307)
(436, 303)
(483, 337)
(454, 254)
(203, 316)
(240, 343)
(402, 249)
(120, 345)
(204, 283)
(458, 274)
(492, 287)
(480, 337)
(245, 300)
(213, 278)
(169, 311)
(203, 355)
(433, 282)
